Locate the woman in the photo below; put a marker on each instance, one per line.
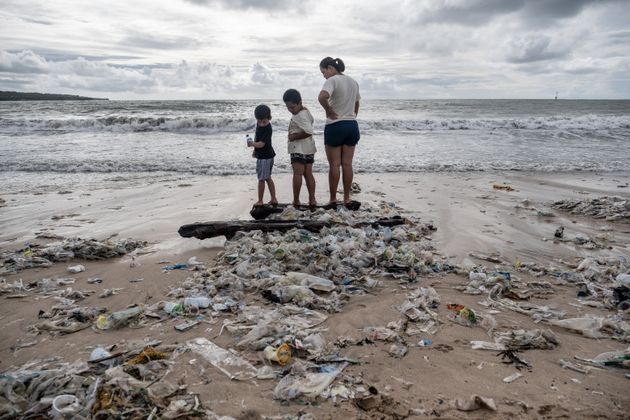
(340, 99)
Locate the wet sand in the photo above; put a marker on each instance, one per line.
(470, 216)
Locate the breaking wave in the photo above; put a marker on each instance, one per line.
(125, 123)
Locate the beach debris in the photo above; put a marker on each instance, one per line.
(610, 208)
(596, 326)
(511, 378)
(34, 255)
(559, 232)
(398, 350)
(110, 292)
(475, 402)
(178, 266)
(503, 187)
(619, 358)
(232, 365)
(576, 367)
(519, 339)
(186, 325)
(280, 355)
(307, 384)
(511, 357)
(75, 269)
(425, 342)
(119, 319)
(462, 315)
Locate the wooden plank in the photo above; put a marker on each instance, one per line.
(262, 212)
(229, 228)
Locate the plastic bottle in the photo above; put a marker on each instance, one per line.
(248, 139)
(425, 342)
(474, 276)
(173, 308)
(197, 302)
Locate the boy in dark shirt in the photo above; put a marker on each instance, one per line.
(264, 153)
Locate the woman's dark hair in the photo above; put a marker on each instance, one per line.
(261, 112)
(292, 95)
(337, 63)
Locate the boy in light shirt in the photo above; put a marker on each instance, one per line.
(301, 146)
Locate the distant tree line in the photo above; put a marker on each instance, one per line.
(33, 96)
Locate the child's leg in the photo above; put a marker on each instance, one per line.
(261, 192)
(298, 172)
(272, 191)
(310, 183)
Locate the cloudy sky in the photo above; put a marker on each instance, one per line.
(222, 49)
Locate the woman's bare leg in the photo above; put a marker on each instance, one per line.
(347, 153)
(334, 162)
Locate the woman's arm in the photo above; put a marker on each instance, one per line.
(323, 101)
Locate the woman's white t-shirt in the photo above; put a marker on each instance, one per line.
(344, 93)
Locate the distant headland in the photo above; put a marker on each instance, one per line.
(33, 96)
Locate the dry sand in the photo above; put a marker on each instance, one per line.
(470, 217)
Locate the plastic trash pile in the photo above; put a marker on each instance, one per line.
(34, 255)
(128, 383)
(606, 207)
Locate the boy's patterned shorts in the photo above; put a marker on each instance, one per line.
(263, 168)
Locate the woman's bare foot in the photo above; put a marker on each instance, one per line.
(258, 203)
(273, 202)
(296, 204)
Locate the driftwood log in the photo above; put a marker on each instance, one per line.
(229, 229)
(262, 212)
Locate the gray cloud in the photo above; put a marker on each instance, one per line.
(414, 48)
(533, 48)
(263, 75)
(559, 9)
(158, 41)
(619, 38)
(247, 4)
(476, 12)
(22, 62)
(473, 12)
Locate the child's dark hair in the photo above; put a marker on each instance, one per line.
(335, 62)
(262, 112)
(293, 96)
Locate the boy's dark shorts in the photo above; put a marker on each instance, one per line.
(303, 159)
(342, 133)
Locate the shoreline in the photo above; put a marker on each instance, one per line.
(463, 206)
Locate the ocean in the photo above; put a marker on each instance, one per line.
(47, 145)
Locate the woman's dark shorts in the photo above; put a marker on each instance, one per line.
(342, 133)
(303, 159)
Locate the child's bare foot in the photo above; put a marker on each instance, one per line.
(296, 204)
(258, 203)
(312, 203)
(273, 202)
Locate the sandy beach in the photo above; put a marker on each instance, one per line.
(473, 220)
